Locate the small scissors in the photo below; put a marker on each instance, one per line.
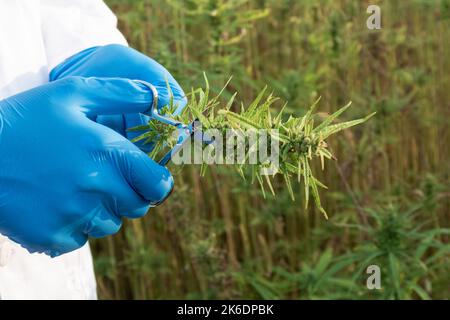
(185, 131)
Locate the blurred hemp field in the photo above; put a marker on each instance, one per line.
(389, 191)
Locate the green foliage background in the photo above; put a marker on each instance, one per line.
(389, 190)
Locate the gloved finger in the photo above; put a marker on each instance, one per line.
(119, 61)
(107, 96)
(112, 177)
(135, 120)
(122, 123)
(122, 199)
(104, 223)
(147, 178)
(115, 122)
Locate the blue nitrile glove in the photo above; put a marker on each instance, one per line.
(64, 177)
(123, 62)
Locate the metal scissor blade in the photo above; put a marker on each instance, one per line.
(201, 136)
(185, 135)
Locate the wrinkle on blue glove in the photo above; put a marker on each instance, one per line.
(64, 177)
(124, 62)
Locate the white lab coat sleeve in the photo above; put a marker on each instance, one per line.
(70, 26)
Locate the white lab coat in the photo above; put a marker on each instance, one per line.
(35, 36)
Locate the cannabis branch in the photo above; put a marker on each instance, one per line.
(301, 142)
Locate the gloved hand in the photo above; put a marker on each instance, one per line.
(64, 177)
(123, 62)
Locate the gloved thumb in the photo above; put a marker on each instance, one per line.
(151, 181)
(107, 96)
